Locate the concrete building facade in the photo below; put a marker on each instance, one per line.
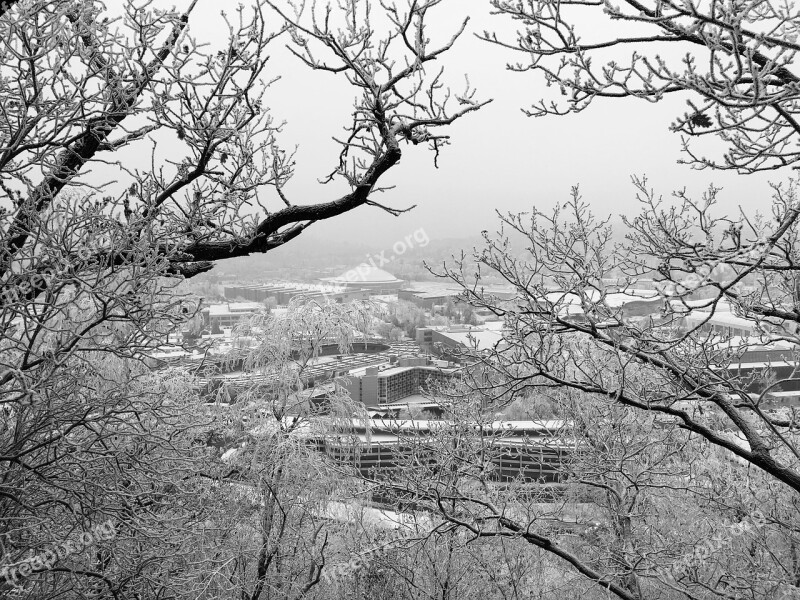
(230, 314)
(283, 293)
(388, 385)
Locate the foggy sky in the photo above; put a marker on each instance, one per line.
(499, 158)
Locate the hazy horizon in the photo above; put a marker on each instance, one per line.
(499, 158)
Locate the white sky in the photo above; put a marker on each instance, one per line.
(499, 158)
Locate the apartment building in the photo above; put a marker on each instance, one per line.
(411, 377)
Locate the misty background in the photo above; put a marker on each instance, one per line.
(499, 158)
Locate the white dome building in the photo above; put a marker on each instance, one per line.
(366, 277)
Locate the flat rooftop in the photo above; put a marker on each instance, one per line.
(477, 337)
(230, 308)
(397, 370)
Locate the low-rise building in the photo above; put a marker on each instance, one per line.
(429, 295)
(458, 338)
(284, 292)
(229, 314)
(366, 277)
(725, 324)
(426, 300)
(520, 451)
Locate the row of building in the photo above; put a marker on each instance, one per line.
(283, 292)
(359, 283)
(756, 353)
(434, 298)
(452, 340)
(518, 451)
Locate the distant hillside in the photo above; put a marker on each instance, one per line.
(304, 254)
(309, 257)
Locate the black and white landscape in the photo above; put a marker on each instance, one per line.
(399, 299)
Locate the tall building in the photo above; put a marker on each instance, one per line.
(410, 377)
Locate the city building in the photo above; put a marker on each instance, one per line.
(426, 300)
(444, 339)
(432, 294)
(386, 384)
(224, 316)
(284, 292)
(521, 451)
(365, 277)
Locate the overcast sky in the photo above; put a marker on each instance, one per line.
(499, 158)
